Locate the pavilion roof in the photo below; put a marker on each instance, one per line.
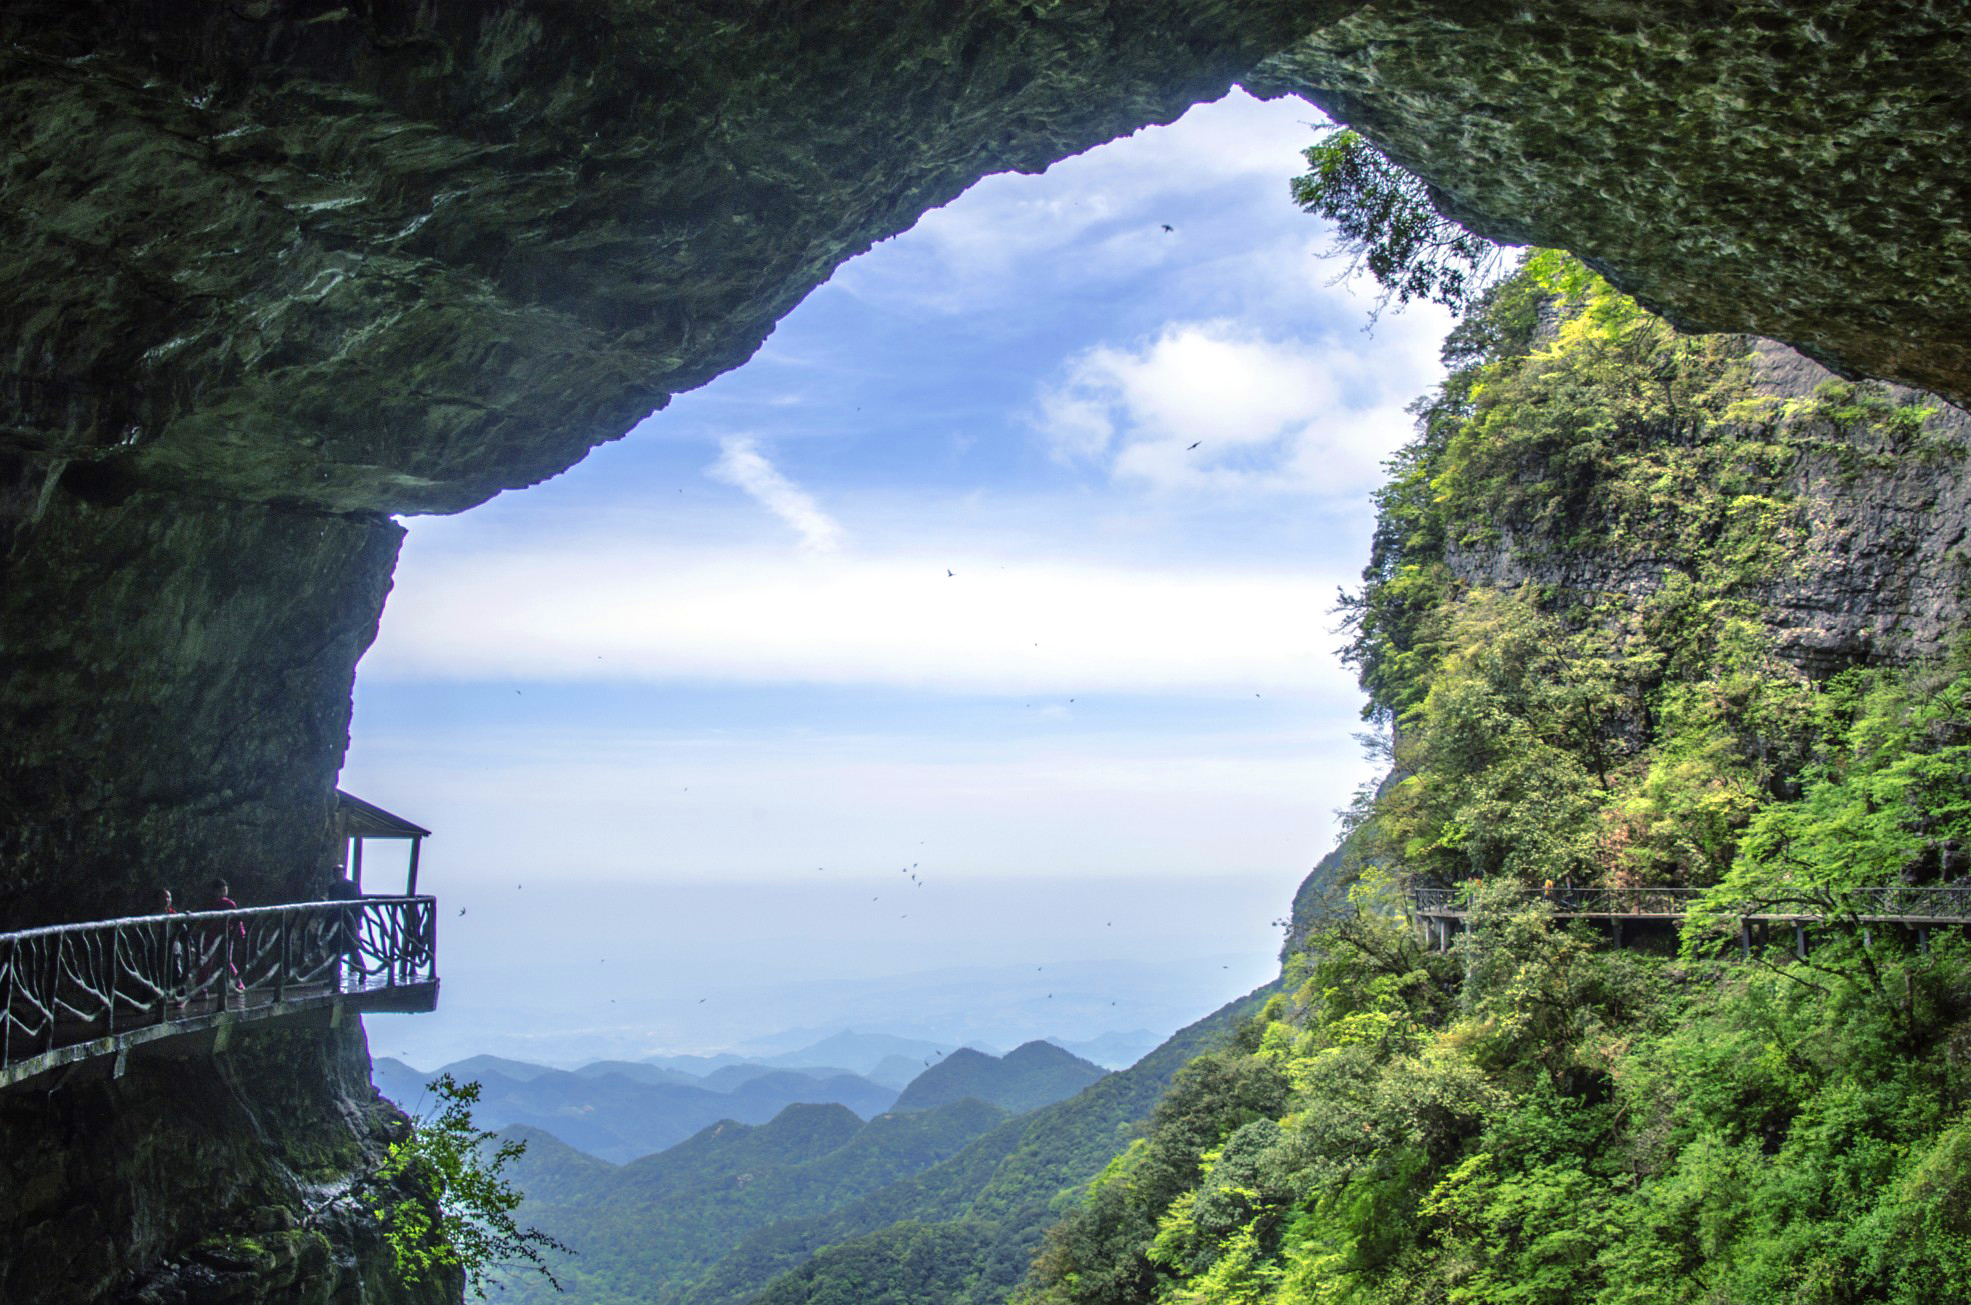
(362, 819)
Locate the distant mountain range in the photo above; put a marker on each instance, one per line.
(645, 1230)
(618, 1111)
(816, 1205)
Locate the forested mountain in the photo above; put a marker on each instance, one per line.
(1029, 1076)
(621, 1112)
(1645, 609)
(978, 1215)
(644, 1230)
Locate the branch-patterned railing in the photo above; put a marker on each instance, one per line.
(70, 983)
(1927, 902)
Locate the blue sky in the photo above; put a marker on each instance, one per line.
(722, 662)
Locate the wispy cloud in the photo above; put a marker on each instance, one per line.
(743, 466)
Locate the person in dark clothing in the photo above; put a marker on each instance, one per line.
(176, 963)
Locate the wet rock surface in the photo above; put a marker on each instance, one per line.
(176, 675)
(1795, 169)
(203, 1179)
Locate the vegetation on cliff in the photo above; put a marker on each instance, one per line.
(1561, 628)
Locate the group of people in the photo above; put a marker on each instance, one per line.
(218, 942)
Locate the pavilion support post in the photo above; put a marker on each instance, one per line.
(1744, 940)
(1617, 925)
(1923, 938)
(410, 889)
(356, 866)
(1800, 939)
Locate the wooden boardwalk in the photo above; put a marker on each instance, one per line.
(1442, 912)
(90, 995)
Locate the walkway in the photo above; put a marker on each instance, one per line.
(71, 995)
(1442, 911)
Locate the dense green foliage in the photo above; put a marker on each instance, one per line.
(1385, 221)
(1621, 715)
(905, 1264)
(1536, 1116)
(1539, 1118)
(446, 1204)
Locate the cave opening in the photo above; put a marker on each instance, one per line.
(975, 636)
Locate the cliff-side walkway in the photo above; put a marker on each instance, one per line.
(75, 995)
(1441, 912)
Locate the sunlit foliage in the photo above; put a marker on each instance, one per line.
(444, 1203)
(1386, 221)
(1536, 1117)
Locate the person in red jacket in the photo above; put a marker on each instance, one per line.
(224, 943)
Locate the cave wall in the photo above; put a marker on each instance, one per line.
(176, 680)
(1794, 169)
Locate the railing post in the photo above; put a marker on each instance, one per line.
(108, 979)
(281, 957)
(52, 993)
(7, 1003)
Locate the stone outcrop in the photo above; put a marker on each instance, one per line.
(277, 269)
(1882, 571)
(1793, 169)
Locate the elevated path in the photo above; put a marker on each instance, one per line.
(1441, 912)
(80, 996)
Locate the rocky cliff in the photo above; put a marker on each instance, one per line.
(278, 269)
(1879, 569)
(206, 1180)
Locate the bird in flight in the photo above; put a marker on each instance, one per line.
(1193, 446)
(461, 910)
(949, 572)
(1168, 228)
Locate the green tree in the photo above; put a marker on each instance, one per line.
(1387, 222)
(444, 1202)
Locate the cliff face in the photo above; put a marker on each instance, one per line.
(277, 269)
(250, 1149)
(1879, 570)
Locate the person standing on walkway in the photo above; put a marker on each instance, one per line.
(224, 944)
(176, 966)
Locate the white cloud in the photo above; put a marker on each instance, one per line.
(617, 608)
(743, 466)
(1268, 415)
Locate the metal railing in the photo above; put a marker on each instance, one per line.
(1913, 902)
(73, 983)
